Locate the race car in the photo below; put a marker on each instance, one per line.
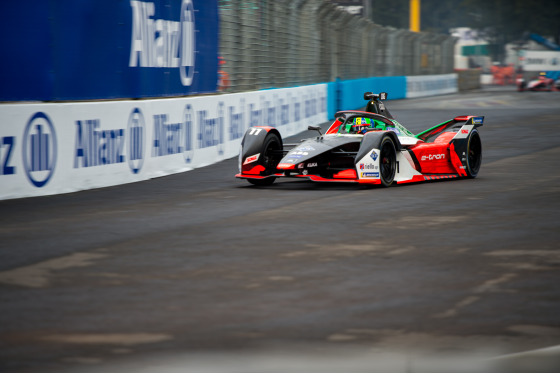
(541, 83)
(366, 147)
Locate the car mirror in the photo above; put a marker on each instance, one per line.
(316, 128)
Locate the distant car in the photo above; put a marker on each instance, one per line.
(366, 147)
(541, 83)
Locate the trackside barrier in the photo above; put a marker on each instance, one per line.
(430, 85)
(468, 79)
(54, 148)
(349, 94)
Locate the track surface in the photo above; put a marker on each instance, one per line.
(200, 271)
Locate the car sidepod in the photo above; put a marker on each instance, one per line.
(450, 150)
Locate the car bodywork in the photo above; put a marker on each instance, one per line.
(383, 152)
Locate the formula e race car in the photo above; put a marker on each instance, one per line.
(541, 83)
(367, 147)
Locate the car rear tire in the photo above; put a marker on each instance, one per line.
(270, 156)
(387, 161)
(474, 154)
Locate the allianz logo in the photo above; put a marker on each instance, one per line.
(160, 43)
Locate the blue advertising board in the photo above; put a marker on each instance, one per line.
(107, 49)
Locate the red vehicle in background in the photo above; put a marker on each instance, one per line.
(541, 83)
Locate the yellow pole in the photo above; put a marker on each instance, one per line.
(415, 15)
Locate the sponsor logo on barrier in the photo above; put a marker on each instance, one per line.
(136, 131)
(160, 43)
(39, 149)
(188, 126)
(211, 130)
(284, 112)
(236, 121)
(173, 138)
(95, 147)
(270, 112)
(297, 111)
(255, 115)
(310, 106)
(6, 147)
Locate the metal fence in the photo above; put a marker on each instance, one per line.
(283, 43)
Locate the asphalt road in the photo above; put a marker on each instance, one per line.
(202, 272)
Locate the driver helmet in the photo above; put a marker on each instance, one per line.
(361, 124)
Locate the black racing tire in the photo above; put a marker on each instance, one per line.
(269, 158)
(387, 161)
(474, 154)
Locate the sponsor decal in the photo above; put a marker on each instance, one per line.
(161, 43)
(298, 153)
(368, 167)
(374, 155)
(136, 130)
(236, 121)
(306, 148)
(477, 120)
(312, 165)
(370, 175)
(464, 131)
(433, 157)
(39, 149)
(250, 159)
(255, 115)
(6, 147)
(285, 165)
(211, 130)
(94, 147)
(188, 128)
(167, 137)
(173, 138)
(284, 112)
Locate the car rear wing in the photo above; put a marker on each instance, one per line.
(457, 123)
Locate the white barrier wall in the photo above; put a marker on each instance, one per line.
(53, 148)
(430, 85)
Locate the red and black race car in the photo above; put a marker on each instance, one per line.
(541, 83)
(368, 147)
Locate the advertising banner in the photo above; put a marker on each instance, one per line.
(106, 49)
(54, 148)
(540, 60)
(430, 85)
